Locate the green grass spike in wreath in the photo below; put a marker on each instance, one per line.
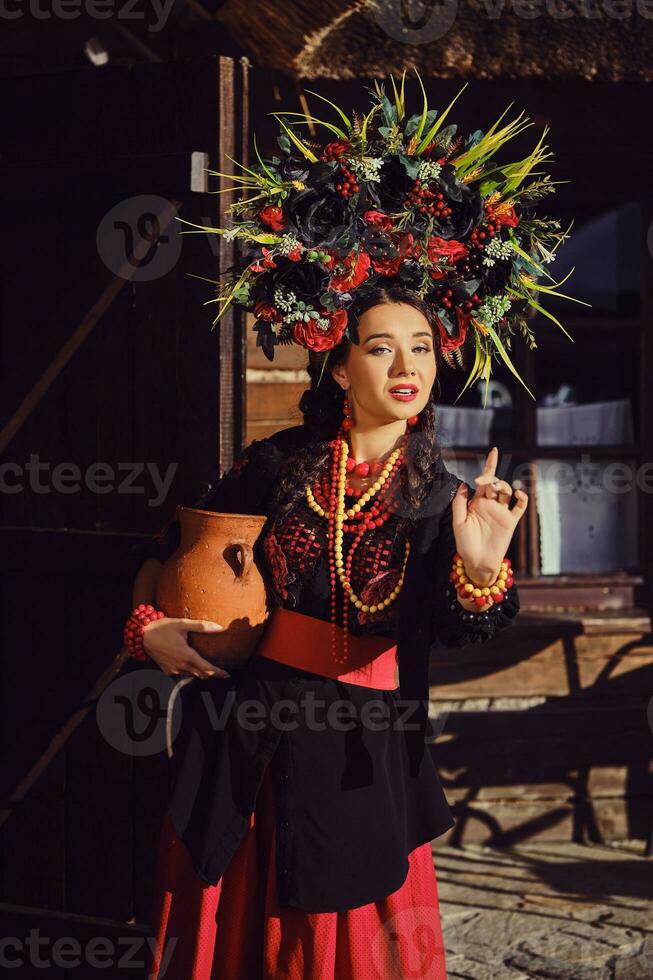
(398, 197)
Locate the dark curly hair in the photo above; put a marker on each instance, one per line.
(322, 408)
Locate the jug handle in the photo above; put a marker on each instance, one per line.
(246, 556)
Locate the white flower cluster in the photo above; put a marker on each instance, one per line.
(229, 234)
(368, 168)
(493, 309)
(284, 301)
(496, 249)
(288, 243)
(429, 170)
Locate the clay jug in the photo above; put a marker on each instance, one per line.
(213, 575)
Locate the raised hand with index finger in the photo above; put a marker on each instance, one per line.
(483, 526)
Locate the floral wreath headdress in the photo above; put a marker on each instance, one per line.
(394, 197)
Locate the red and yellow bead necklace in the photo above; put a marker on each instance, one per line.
(360, 521)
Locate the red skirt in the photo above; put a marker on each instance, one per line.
(235, 930)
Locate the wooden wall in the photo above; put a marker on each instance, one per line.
(273, 387)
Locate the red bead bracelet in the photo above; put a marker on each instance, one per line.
(139, 617)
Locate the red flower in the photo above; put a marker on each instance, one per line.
(436, 272)
(265, 263)
(405, 244)
(357, 268)
(502, 215)
(312, 337)
(448, 343)
(273, 217)
(439, 248)
(295, 254)
(508, 218)
(277, 563)
(379, 220)
(332, 151)
(266, 311)
(377, 589)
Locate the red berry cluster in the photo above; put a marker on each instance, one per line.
(423, 199)
(472, 264)
(478, 237)
(348, 185)
(445, 298)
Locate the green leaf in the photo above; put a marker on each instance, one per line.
(260, 160)
(307, 120)
(414, 121)
(476, 367)
(425, 105)
(295, 139)
(411, 165)
(446, 322)
(324, 364)
(400, 101)
(504, 354)
(388, 110)
(531, 261)
(536, 306)
(437, 124)
(342, 115)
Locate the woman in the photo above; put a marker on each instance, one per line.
(299, 847)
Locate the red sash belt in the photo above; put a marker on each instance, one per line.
(305, 642)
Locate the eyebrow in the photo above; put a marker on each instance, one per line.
(391, 336)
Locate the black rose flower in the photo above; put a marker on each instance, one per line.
(319, 216)
(294, 168)
(394, 184)
(411, 274)
(466, 207)
(307, 280)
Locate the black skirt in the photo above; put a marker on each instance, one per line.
(350, 809)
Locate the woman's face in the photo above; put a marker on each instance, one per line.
(396, 349)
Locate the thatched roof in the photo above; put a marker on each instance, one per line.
(480, 39)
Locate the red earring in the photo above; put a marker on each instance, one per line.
(413, 420)
(347, 419)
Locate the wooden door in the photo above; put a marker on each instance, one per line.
(112, 380)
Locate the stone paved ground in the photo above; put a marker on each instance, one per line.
(552, 910)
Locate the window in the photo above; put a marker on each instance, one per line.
(578, 448)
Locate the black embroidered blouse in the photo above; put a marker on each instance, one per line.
(353, 797)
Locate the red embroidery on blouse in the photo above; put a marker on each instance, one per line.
(277, 563)
(294, 546)
(300, 542)
(377, 589)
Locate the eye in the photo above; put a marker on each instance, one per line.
(420, 347)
